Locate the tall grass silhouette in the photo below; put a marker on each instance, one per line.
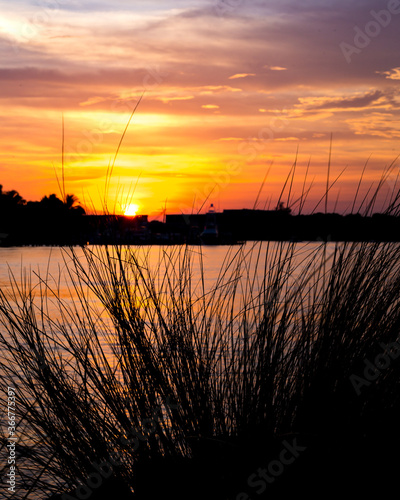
(171, 372)
(171, 384)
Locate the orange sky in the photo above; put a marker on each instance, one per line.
(231, 90)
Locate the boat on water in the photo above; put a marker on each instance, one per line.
(210, 235)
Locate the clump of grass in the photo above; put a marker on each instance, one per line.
(194, 385)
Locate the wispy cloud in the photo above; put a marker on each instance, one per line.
(393, 74)
(93, 100)
(275, 68)
(241, 75)
(167, 100)
(357, 101)
(377, 124)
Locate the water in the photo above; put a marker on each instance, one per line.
(52, 261)
(50, 273)
(47, 278)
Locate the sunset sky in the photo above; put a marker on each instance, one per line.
(232, 88)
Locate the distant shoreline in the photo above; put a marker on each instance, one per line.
(234, 227)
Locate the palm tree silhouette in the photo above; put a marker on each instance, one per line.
(11, 198)
(71, 203)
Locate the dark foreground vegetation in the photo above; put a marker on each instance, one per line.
(281, 379)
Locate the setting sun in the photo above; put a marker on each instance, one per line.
(131, 210)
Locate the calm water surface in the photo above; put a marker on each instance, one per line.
(48, 273)
(51, 262)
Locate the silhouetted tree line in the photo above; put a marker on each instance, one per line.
(50, 221)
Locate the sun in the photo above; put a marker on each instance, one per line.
(131, 210)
